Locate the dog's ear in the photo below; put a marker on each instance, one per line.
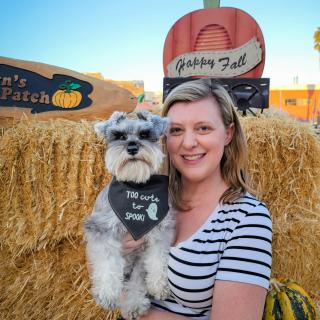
(101, 127)
(160, 124)
(116, 117)
(144, 115)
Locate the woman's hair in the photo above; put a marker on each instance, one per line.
(234, 160)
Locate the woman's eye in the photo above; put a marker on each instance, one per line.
(204, 129)
(175, 131)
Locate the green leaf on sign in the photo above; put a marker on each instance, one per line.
(74, 86)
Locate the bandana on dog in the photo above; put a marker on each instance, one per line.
(142, 206)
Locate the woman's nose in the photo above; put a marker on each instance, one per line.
(189, 140)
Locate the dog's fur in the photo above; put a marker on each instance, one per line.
(133, 154)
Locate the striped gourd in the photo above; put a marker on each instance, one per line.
(286, 300)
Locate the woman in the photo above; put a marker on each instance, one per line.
(220, 263)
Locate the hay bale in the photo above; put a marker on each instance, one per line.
(284, 166)
(50, 174)
(284, 163)
(48, 284)
(296, 249)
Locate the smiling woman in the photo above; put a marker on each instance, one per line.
(196, 140)
(204, 112)
(220, 262)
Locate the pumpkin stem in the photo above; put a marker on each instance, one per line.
(141, 97)
(211, 3)
(275, 285)
(69, 86)
(65, 86)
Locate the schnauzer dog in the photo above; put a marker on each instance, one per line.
(131, 202)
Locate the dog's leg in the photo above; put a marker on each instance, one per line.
(136, 302)
(107, 264)
(156, 258)
(107, 273)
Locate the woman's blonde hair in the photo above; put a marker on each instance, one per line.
(234, 160)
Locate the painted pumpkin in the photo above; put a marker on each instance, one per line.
(213, 29)
(286, 300)
(67, 97)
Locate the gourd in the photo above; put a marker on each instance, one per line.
(67, 97)
(286, 300)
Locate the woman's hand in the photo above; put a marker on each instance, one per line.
(129, 244)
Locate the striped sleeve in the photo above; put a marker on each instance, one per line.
(248, 254)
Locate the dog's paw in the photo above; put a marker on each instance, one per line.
(105, 299)
(133, 311)
(158, 288)
(163, 294)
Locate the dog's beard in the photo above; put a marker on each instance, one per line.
(137, 168)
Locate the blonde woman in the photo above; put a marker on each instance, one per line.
(220, 263)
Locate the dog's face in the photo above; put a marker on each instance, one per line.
(134, 151)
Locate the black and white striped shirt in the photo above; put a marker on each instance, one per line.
(234, 244)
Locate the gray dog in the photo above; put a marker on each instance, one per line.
(132, 201)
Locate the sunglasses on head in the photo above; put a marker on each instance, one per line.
(247, 93)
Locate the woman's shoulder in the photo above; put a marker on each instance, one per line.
(247, 200)
(247, 206)
(251, 216)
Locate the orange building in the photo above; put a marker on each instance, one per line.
(300, 102)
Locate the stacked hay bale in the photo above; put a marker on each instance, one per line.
(51, 173)
(284, 163)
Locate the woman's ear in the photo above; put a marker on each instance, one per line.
(229, 134)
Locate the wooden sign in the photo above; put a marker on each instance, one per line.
(228, 63)
(41, 91)
(214, 42)
(23, 88)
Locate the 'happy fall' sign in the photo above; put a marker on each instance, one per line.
(228, 63)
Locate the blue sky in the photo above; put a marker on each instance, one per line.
(124, 39)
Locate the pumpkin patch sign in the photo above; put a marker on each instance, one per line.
(214, 42)
(40, 91)
(24, 88)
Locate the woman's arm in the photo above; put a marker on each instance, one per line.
(237, 301)
(154, 314)
(231, 300)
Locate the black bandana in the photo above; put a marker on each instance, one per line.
(140, 207)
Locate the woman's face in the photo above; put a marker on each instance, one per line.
(197, 138)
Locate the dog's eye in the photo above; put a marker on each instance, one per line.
(145, 134)
(119, 135)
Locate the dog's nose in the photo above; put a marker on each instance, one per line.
(132, 148)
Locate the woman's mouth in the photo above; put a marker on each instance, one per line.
(193, 157)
